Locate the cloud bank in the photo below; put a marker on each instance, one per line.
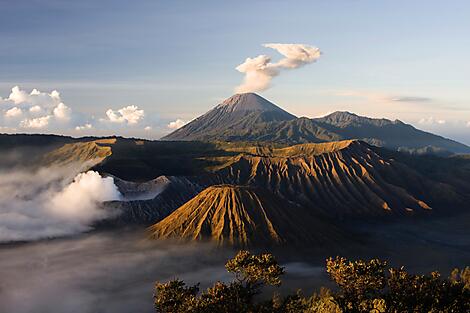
(260, 71)
(52, 202)
(42, 112)
(34, 110)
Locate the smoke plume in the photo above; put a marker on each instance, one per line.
(51, 202)
(259, 71)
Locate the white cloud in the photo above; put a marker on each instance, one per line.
(55, 95)
(83, 127)
(39, 109)
(130, 114)
(35, 92)
(177, 124)
(296, 55)
(35, 109)
(17, 95)
(468, 124)
(148, 128)
(431, 121)
(38, 122)
(13, 112)
(259, 71)
(62, 112)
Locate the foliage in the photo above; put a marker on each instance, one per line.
(362, 286)
(255, 269)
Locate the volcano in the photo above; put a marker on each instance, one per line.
(250, 117)
(242, 216)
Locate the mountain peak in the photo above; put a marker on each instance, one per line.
(240, 111)
(242, 216)
(241, 102)
(345, 118)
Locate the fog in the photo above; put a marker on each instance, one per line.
(51, 202)
(111, 271)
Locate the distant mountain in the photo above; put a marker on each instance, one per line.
(243, 216)
(235, 115)
(249, 117)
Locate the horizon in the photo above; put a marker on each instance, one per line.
(78, 136)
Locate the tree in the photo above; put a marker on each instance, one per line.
(252, 272)
(362, 286)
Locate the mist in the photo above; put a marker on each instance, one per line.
(110, 272)
(51, 202)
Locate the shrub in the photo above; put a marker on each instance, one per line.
(362, 286)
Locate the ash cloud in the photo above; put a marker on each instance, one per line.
(52, 202)
(260, 71)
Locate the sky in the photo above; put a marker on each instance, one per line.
(144, 68)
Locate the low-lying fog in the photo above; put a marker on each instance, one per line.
(112, 271)
(115, 270)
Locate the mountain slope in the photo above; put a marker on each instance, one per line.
(236, 113)
(341, 179)
(243, 216)
(174, 192)
(92, 152)
(248, 117)
(383, 132)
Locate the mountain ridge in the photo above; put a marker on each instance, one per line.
(245, 117)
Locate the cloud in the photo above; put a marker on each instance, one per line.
(39, 122)
(49, 106)
(177, 124)
(13, 112)
(431, 121)
(113, 271)
(83, 127)
(35, 109)
(19, 96)
(62, 112)
(51, 202)
(296, 55)
(148, 128)
(260, 71)
(32, 111)
(381, 97)
(468, 124)
(130, 114)
(410, 99)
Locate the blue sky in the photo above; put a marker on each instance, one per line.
(176, 59)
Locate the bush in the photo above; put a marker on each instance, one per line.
(363, 286)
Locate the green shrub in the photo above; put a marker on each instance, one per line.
(362, 286)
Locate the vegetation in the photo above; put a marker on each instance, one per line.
(362, 286)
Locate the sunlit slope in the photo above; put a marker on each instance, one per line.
(238, 215)
(345, 179)
(339, 179)
(91, 152)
